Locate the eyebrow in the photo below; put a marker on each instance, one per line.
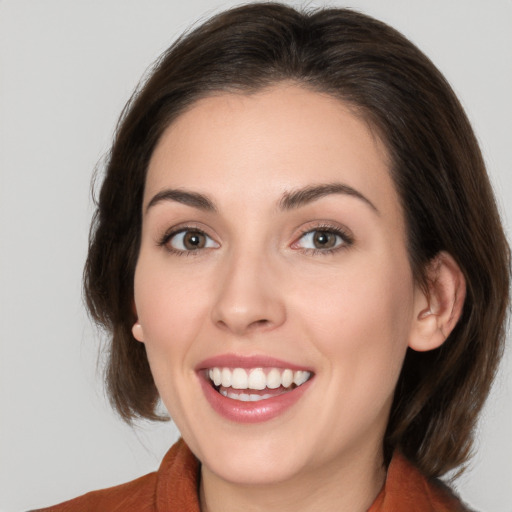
(193, 199)
(306, 195)
(289, 200)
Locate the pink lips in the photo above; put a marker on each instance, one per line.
(248, 412)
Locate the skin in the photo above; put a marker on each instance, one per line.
(261, 287)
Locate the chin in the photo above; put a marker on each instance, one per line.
(262, 458)
(243, 468)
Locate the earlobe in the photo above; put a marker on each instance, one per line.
(136, 327)
(137, 331)
(438, 309)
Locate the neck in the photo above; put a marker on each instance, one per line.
(350, 486)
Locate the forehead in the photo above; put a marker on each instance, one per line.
(265, 144)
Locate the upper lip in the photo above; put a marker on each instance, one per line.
(254, 361)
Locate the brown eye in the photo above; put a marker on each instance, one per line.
(191, 240)
(194, 240)
(324, 239)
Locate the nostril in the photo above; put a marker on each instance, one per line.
(244, 327)
(222, 324)
(259, 323)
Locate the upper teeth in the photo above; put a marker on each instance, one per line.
(257, 378)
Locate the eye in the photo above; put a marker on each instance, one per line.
(323, 239)
(190, 240)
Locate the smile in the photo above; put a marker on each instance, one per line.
(259, 383)
(252, 389)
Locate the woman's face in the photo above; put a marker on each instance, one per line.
(273, 249)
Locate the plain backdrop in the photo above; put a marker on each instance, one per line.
(66, 69)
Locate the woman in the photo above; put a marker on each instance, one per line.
(297, 249)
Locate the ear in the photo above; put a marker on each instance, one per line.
(438, 309)
(137, 328)
(137, 331)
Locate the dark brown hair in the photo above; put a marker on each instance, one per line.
(437, 168)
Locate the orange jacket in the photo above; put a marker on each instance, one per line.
(173, 488)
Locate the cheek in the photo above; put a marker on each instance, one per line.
(168, 306)
(360, 325)
(362, 319)
(169, 311)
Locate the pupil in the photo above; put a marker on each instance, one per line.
(194, 240)
(324, 239)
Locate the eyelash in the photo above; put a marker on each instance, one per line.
(168, 235)
(346, 237)
(347, 240)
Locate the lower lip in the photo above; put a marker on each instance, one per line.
(251, 412)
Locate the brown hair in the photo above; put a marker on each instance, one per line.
(437, 168)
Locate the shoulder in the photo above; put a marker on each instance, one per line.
(406, 488)
(174, 486)
(137, 495)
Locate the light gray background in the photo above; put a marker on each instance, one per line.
(66, 70)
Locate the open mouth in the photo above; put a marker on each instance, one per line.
(255, 384)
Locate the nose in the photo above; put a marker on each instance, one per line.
(248, 298)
